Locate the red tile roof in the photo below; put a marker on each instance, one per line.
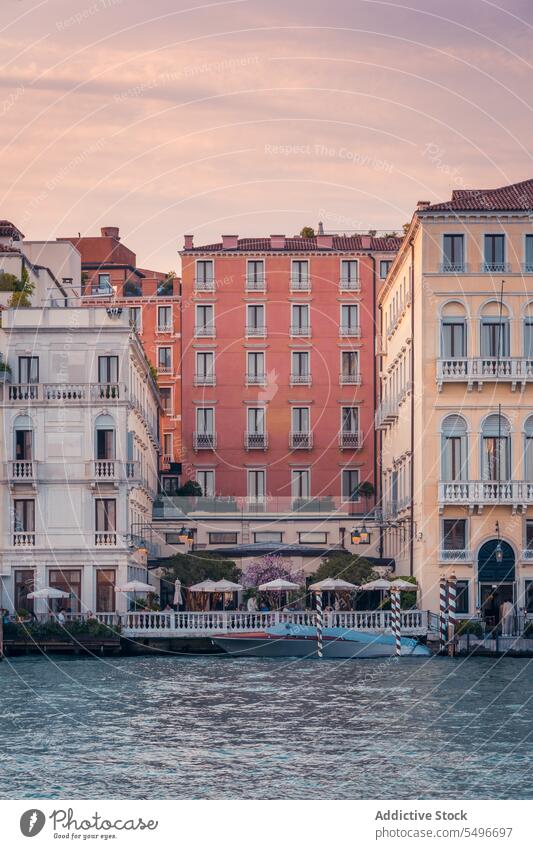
(513, 198)
(7, 229)
(298, 243)
(103, 250)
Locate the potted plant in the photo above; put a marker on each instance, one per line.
(5, 371)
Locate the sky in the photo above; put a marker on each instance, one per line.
(249, 117)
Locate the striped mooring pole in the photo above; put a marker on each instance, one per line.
(319, 624)
(443, 620)
(396, 620)
(452, 605)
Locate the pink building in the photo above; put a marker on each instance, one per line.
(278, 367)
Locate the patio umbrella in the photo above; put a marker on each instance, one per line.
(224, 586)
(48, 592)
(178, 598)
(279, 585)
(135, 587)
(378, 584)
(203, 587)
(400, 584)
(332, 585)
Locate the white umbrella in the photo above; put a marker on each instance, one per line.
(178, 599)
(203, 587)
(224, 586)
(48, 592)
(135, 587)
(379, 584)
(400, 584)
(332, 585)
(279, 585)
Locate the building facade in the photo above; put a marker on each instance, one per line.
(456, 400)
(79, 463)
(151, 300)
(278, 367)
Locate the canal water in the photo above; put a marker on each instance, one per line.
(216, 727)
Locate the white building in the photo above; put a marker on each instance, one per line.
(79, 443)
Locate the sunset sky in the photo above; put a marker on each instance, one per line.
(174, 116)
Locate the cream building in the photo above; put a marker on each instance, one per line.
(79, 445)
(456, 409)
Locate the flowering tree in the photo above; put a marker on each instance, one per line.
(268, 568)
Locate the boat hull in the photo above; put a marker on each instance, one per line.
(270, 645)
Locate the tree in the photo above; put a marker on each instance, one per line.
(23, 289)
(193, 567)
(8, 282)
(365, 489)
(191, 488)
(268, 568)
(307, 232)
(349, 567)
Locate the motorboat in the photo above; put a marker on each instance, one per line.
(289, 640)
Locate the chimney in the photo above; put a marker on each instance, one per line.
(323, 241)
(366, 242)
(423, 204)
(188, 243)
(277, 243)
(110, 233)
(230, 243)
(320, 228)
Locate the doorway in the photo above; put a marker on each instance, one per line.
(492, 597)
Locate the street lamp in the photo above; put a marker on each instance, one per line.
(498, 551)
(183, 535)
(360, 537)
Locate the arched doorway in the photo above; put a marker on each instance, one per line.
(496, 579)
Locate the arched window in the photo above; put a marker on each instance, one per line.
(454, 454)
(494, 335)
(23, 432)
(528, 449)
(453, 331)
(528, 332)
(105, 438)
(496, 449)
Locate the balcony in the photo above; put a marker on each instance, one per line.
(105, 539)
(480, 370)
(256, 503)
(527, 554)
(204, 379)
(204, 441)
(164, 328)
(480, 494)
(300, 379)
(495, 267)
(164, 369)
(300, 330)
(205, 331)
(453, 268)
(204, 285)
(253, 332)
(64, 393)
(387, 413)
(527, 267)
(255, 440)
(350, 439)
(255, 379)
(298, 285)
(24, 539)
(349, 379)
(455, 555)
(21, 471)
(300, 440)
(352, 331)
(349, 285)
(255, 285)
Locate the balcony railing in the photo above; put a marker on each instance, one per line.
(527, 554)
(527, 267)
(165, 327)
(481, 493)
(495, 267)
(64, 393)
(114, 470)
(300, 330)
(255, 285)
(105, 469)
(256, 503)
(204, 285)
(164, 369)
(204, 379)
(256, 332)
(298, 285)
(24, 539)
(481, 370)
(255, 379)
(206, 331)
(349, 331)
(299, 439)
(453, 268)
(300, 379)
(455, 555)
(387, 412)
(105, 539)
(204, 441)
(255, 440)
(350, 439)
(349, 285)
(349, 378)
(21, 470)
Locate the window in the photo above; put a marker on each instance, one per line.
(300, 274)
(164, 319)
(349, 275)
(350, 419)
(206, 479)
(135, 314)
(349, 367)
(23, 445)
(350, 484)
(164, 360)
(268, 536)
(300, 419)
(167, 447)
(256, 484)
(24, 584)
(24, 515)
(105, 509)
(166, 398)
(105, 443)
(205, 420)
(453, 338)
(255, 367)
(300, 483)
(255, 274)
(462, 601)
(494, 252)
(528, 336)
(205, 314)
(255, 320)
(496, 449)
(454, 455)
(494, 337)
(223, 538)
(528, 600)
(28, 369)
(453, 252)
(312, 537)
(528, 264)
(454, 534)
(170, 484)
(173, 539)
(204, 274)
(300, 320)
(256, 420)
(349, 320)
(104, 283)
(300, 371)
(105, 590)
(205, 368)
(384, 265)
(107, 370)
(68, 581)
(529, 535)
(528, 450)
